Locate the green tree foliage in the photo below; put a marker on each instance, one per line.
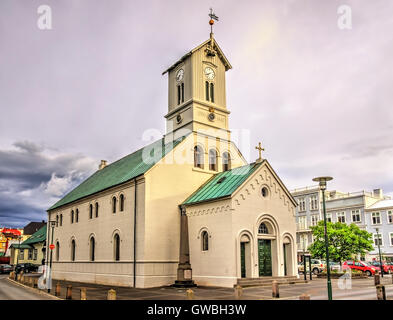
(345, 241)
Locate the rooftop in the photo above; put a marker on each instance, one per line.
(382, 204)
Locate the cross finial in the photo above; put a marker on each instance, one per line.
(260, 149)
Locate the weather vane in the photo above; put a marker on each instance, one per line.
(212, 18)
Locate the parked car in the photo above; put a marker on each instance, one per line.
(5, 268)
(317, 266)
(25, 267)
(386, 268)
(362, 266)
(334, 266)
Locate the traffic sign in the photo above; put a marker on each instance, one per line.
(52, 246)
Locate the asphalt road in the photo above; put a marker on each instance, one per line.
(12, 291)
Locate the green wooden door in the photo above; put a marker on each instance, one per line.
(265, 257)
(243, 258)
(285, 260)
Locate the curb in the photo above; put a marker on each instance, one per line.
(34, 290)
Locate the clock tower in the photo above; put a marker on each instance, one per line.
(196, 92)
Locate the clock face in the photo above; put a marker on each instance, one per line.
(209, 72)
(180, 75)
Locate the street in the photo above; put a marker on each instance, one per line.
(12, 291)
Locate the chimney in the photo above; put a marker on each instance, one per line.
(102, 165)
(378, 193)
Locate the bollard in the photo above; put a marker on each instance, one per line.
(35, 283)
(238, 291)
(83, 293)
(190, 294)
(111, 294)
(31, 282)
(381, 294)
(57, 290)
(69, 293)
(275, 290)
(12, 275)
(304, 297)
(377, 278)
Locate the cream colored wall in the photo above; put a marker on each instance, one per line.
(168, 184)
(104, 270)
(228, 220)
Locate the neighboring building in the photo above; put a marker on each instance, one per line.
(33, 227)
(122, 225)
(31, 250)
(340, 207)
(7, 236)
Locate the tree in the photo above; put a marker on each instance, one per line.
(345, 241)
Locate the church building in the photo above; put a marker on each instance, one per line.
(187, 209)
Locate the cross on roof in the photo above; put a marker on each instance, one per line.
(260, 149)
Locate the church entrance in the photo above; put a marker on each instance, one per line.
(285, 259)
(243, 259)
(265, 257)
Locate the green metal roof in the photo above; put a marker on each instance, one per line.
(20, 246)
(38, 236)
(121, 171)
(222, 184)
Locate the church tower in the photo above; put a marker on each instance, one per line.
(196, 92)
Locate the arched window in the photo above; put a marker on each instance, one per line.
(213, 160)
(57, 251)
(57, 221)
(91, 211)
(114, 200)
(121, 202)
(198, 157)
(72, 216)
(116, 247)
(205, 241)
(182, 92)
(77, 215)
(226, 161)
(178, 94)
(61, 220)
(263, 229)
(92, 248)
(212, 92)
(73, 247)
(207, 90)
(97, 209)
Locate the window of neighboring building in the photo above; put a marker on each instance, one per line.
(116, 243)
(121, 202)
(375, 218)
(302, 223)
(390, 216)
(96, 209)
(73, 249)
(35, 254)
(314, 202)
(341, 217)
(378, 238)
(226, 161)
(92, 248)
(114, 200)
(302, 204)
(205, 241)
(90, 211)
(77, 215)
(30, 254)
(198, 157)
(61, 220)
(212, 160)
(329, 217)
(391, 238)
(263, 229)
(314, 220)
(57, 221)
(72, 216)
(356, 216)
(21, 254)
(57, 251)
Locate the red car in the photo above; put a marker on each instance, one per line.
(362, 266)
(386, 268)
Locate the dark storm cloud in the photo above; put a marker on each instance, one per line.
(32, 179)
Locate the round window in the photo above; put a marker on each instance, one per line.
(265, 192)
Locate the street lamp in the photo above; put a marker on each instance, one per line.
(52, 224)
(322, 184)
(379, 250)
(17, 256)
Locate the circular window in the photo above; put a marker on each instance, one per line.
(264, 192)
(179, 118)
(211, 116)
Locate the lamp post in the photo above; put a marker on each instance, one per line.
(17, 256)
(322, 184)
(379, 251)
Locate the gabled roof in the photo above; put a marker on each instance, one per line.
(118, 172)
(222, 184)
(38, 236)
(382, 204)
(216, 47)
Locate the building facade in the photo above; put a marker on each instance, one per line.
(355, 207)
(122, 225)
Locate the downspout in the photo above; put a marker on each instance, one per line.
(135, 211)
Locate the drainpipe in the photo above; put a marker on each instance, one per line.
(135, 211)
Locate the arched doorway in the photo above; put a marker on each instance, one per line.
(245, 256)
(288, 256)
(267, 250)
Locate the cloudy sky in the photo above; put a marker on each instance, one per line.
(319, 97)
